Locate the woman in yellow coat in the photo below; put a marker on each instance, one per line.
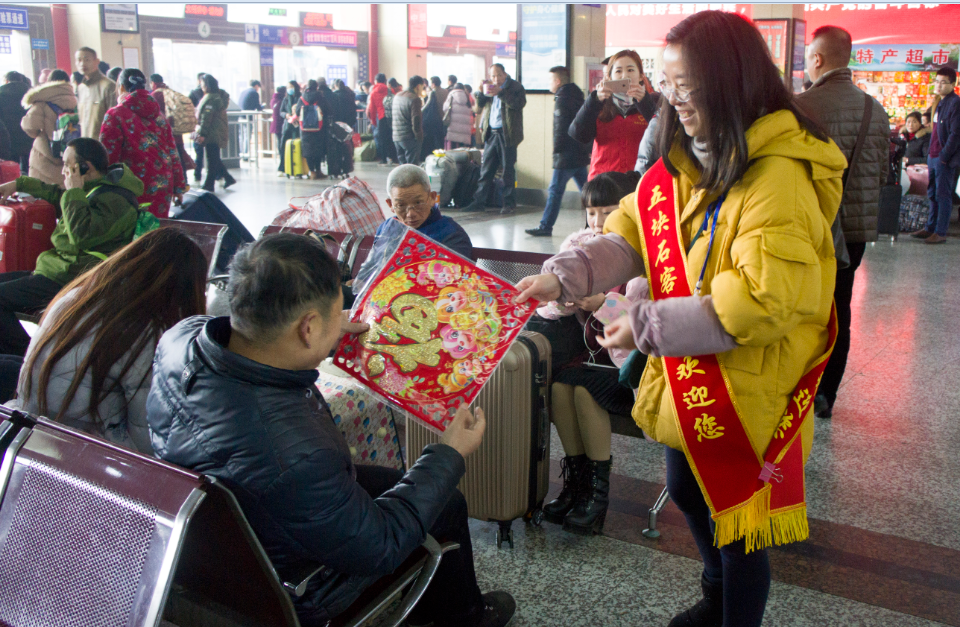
(732, 231)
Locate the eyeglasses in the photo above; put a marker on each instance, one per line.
(402, 210)
(942, 83)
(680, 95)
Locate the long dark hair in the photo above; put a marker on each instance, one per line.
(736, 83)
(125, 302)
(610, 110)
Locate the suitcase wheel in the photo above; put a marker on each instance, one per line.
(505, 533)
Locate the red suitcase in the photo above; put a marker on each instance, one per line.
(25, 229)
(9, 171)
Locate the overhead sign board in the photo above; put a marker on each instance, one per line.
(119, 18)
(206, 11)
(330, 38)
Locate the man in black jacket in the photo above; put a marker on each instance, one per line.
(570, 157)
(11, 112)
(943, 158)
(235, 398)
(195, 96)
(500, 103)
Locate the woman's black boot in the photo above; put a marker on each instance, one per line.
(572, 473)
(708, 612)
(590, 511)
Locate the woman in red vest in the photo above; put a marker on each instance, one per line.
(614, 118)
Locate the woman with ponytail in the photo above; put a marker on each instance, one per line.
(136, 133)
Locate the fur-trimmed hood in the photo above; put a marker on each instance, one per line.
(59, 93)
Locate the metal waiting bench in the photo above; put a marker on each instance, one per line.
(92, 533)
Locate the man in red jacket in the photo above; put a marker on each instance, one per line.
(375, 114)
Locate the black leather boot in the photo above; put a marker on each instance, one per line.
(590, 511)
(572, 473)
(708, 612)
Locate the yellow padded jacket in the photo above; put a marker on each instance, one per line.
(771, 273)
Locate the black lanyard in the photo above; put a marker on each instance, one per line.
(713, 211)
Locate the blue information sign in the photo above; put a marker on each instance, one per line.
(266, 55)
(543, 43)
(14, 18)
(40, 44)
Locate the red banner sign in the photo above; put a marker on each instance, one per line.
(417, 28)
(888, 23)
(633, 25)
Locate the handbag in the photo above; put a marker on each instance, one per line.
(839, 241)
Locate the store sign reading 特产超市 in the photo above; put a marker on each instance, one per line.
(332, 38)
(901, 58)
(15, 19)
(206, 11)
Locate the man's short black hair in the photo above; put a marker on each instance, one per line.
(452, 79)
(91, 151)
(562, 73)
(380, 78)
(275, 280)
(435, 81)
(59, 75)
(156, 79)
(255, 83)
(949, 72)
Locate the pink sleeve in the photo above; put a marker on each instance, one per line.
(677, 327)
(599, 265)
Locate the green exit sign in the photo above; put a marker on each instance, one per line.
(278, 12)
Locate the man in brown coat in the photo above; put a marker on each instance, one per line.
(95, 95)
(838, 104)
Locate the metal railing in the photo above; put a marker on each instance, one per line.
(250, 136)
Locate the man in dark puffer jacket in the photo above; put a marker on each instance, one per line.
(235, 398)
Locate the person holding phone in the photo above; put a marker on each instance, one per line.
(615, 115)
(97, 215)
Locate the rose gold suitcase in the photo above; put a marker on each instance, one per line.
(507, 477)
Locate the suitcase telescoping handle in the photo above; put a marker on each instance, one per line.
(544, 409)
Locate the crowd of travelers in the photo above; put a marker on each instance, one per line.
(124, 310)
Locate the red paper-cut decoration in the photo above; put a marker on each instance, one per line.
(439, 325)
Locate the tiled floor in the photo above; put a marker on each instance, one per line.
(882, 479)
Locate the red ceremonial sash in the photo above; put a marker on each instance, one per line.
(759, 499)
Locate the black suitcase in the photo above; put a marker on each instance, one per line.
(203, 206)
(467, 183)
(888, 217)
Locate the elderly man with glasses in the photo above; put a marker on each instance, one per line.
(415, 206)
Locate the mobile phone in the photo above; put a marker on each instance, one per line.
(83, 168)
(617, 87)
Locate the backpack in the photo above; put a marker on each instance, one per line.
(388, 106)
(66, 130)
(181, 109)
(146, 221)
(311, 119)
